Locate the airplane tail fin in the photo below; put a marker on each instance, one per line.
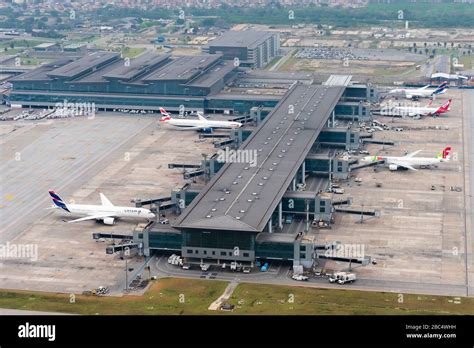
(445, 154)
(58, 201)
(440, 89)
(447, 106)
(201, 116)
(444, 108)
(165, 114)
(105, 201)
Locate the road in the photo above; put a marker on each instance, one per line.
(280, 275)
(468, 125)
(282, 61)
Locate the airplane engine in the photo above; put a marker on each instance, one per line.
(109, 221)
(207, 130)
(393, 167)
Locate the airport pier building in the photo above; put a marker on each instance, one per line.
(266, 210)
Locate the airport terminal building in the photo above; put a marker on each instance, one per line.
(244, 212)
(267, 210)
(104, 78)
(151, 81)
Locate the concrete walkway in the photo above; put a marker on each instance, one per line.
(224, 297)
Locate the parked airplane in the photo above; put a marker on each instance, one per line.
(423, 92)
(409, 161)
(107, 212)
(201, 124)
(418, 110)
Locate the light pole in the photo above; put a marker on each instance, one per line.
(126, 275)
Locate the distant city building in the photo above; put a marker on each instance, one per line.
(250, 48)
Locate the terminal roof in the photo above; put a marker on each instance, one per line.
(243, 196)
(136, 66)
(244, 38)
(83, 64)
(184, 68)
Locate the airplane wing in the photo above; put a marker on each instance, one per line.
(105, 201)
(422, 88)
(412, 154)
(404, 165)
(192, 128)
(93, 217)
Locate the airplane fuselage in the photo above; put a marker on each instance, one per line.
(410, 111)
(188, 123)
(420, 93)
(129, 212)
(413, 161)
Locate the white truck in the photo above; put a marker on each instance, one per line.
(175, 260)
(342, 278)
(299, 277)
(348, 278)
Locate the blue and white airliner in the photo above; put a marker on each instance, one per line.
(107, 212)
(423, 92)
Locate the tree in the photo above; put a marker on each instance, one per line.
(208, 22)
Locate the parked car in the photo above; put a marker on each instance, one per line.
(299, 277)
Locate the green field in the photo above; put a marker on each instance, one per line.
(131, 52)
(163, 297)
(468, 61)
(286, 300)
(34, 61)
(172, 296)
(21, 43)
